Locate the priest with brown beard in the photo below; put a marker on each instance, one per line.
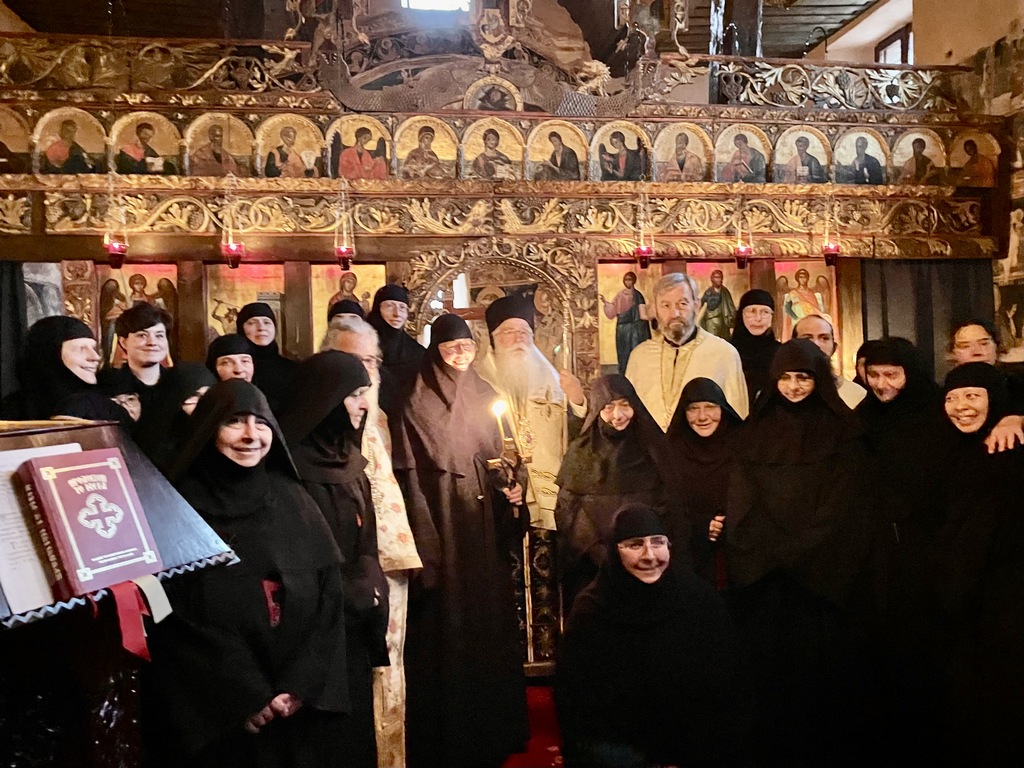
(464, 666)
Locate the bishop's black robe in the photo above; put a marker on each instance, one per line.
(463, 661)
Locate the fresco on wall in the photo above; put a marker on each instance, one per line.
(682, 153)
(330, 284)
(919, 158)
(145, 143)
(14, 140)
(556, 150)
(492, 150)
(619, 152)
(1011, 268)
(974, 159)
(228, 290)
(802, 156)
(359, 148)
(44, 290)
(121, 289)
(625, 296)
(427, 149)
(289, 147)
(742, 154)
(217, 145)
(804, 288)
(1009, 306)
(861, 157)
(720, 287)
(493, 94)
(69, 140)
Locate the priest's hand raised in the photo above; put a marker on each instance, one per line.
(572, 387)
(514, 494)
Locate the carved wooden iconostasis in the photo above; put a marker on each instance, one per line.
(480, 155)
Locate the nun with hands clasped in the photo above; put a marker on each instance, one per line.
(249, 669)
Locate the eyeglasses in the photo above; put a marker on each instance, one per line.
(372, 361)
(510, 333)
(457, 347)
(639, 544)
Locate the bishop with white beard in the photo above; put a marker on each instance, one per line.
(540, 400)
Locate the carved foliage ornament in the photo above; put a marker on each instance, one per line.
(804, 84)
(567, 268)
(692, 214)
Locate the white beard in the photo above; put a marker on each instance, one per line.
(523, 374)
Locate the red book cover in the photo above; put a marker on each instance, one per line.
(89, 519)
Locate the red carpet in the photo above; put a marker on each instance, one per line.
(543, 751)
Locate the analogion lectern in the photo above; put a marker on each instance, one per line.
(68, 689)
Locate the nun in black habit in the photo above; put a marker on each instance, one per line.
(796, 546)
(323, 423)
(904, 435)
(702, 439)
(191, 381)
(403, 355)
(345, 307)
(647, 667)
(273, 371)
(618, 458)
(978, 573)
(57, 375)
(249, 669)
(757, 347)
(231, 345)
(464, 664)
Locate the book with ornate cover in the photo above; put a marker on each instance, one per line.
(89, 519)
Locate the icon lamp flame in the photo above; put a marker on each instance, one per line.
(232, 252)
(742, 253)
(344, 254)
(830, 251)
(116, 247)
(643, 255)
(498, 409)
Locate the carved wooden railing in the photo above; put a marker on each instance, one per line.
(69, 64)
(805, 84)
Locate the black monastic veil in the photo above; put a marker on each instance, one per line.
(604, 469)
(327, 446)
(242, 634)
(647, 672)
(464, 666)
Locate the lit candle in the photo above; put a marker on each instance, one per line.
(499, 409)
